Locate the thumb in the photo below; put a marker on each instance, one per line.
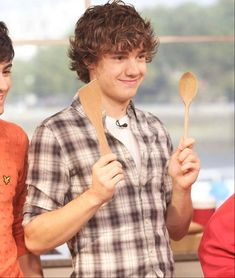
(185, 143)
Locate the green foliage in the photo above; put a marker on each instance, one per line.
(47, 74)
(212, 62)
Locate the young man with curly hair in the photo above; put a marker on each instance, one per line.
(117, 212)
(15, 260)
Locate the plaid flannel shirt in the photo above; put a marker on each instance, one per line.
(127, 237)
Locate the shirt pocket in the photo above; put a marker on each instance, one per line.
(156, 166)
(156, 179)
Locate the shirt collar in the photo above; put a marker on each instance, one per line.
(76, 104)
(131, 110)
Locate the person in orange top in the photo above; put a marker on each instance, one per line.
(217, 248)
(15, 259)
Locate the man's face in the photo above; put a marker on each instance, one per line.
(120, 74)
(5, 82)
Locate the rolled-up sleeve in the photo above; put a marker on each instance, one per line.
(47, 178)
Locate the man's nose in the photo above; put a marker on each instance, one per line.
(132, 67)
(3, 83)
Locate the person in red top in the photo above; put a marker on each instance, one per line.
(15, 259)
(217, 247)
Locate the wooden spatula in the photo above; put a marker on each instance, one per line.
(90, 97)
(188, 86)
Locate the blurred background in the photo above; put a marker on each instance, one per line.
(195, 36)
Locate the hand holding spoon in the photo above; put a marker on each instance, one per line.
(188, 86)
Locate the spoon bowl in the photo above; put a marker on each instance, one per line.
(188, 86)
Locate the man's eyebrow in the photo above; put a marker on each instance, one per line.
(8, 66)
(123, 52)
(119, 52)
(142, 51)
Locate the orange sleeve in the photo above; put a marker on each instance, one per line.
(217, 247)
(18, 203)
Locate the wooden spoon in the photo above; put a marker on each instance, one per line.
(188, 86)
(90, 97)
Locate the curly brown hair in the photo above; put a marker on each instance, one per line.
(6, 48)
(107, 28)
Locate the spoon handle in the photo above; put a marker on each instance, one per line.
(186, 120)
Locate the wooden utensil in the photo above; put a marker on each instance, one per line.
(90, 97)
(188, 86)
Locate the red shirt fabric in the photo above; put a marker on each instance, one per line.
(13, 162)
(217, 247)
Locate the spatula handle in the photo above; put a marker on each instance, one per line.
(186, 120)
(104, 146)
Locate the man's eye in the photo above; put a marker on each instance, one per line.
(7, 72)
(119, 57)
(142, 56)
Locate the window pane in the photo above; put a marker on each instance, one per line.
(43, 83)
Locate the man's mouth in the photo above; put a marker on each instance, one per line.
(130, 82)
(1, 97)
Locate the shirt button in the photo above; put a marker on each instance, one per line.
(147, 221)
(127, 156)
(159, 273)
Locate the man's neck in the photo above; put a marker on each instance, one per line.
(115, 110)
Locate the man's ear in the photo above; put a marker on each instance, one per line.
(91, 68)
(88, 64)
(92, 73)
